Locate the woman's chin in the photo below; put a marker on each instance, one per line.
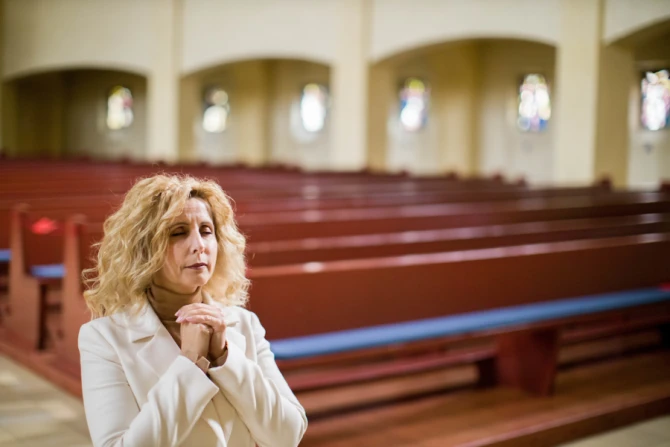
(196, 281)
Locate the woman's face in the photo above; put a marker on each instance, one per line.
(192, 250)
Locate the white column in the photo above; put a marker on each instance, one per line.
(617, 75)
(380, 100)
(349, 84)
(577, 91)
(457, 115)
(163, 83)
(252, 110)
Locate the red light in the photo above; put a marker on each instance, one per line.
(44, 226)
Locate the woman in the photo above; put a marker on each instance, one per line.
(171, 357)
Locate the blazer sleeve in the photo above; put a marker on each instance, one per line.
(260, 394)
(114, 418)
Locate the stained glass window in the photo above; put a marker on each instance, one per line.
(414, 96)
(656, 100)
(313, 107)
(534, 104)
(217, 109)
(119, 108)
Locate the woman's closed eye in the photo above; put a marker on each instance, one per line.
(204, 230)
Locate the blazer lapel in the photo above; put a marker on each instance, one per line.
(157, 350)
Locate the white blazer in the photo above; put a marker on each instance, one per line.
(140, 392)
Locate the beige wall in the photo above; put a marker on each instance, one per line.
(472, 120)
(85, 129)
(446, 143)
(502, 146)
(289, 142)
(41, 35)
(649, 151)
(196, 144)
(264, 124)
(64, 113)
(216, 32)
(473, 80)
(624, 17)
(35, 117)
(400, 25)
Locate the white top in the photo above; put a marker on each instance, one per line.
(140, 392)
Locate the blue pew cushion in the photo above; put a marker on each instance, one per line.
(48, 271)
(410, 331)
(5, 255)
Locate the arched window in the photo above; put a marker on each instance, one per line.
(217, 109)
(534, 104)
(656, 100)
(119, 108)
(313, 107)
(414, 96)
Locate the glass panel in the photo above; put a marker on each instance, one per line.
(414, 96)
(119, 108)
(313, 107)
(656, 100)
(534, 104)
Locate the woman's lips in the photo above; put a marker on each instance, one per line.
(197, 266)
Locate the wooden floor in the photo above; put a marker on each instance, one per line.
(35, 413)
(589, 399)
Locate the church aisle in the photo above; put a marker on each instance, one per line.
(34, 413)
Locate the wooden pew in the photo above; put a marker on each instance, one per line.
(382, 199)
(26, 311)
(80, 237)
(341, 295)
(117, 178)
(57, 206)
(524, 353)
(36, 273)
(261, 227)
(453, 239)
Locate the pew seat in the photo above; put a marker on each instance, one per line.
(48, 271)
(519, 332)
(495, 319)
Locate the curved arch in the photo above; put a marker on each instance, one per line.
(220, 64)
(47, 68)
(436, 45)
(436, 41)
(63, 35)
(436, 22)
(419, 45)
(258, 30)
(628, 25)
(241, 57)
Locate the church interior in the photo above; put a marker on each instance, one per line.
(456, 211)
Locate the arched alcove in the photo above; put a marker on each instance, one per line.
(271, 115)
(472, 121)
(76, 112)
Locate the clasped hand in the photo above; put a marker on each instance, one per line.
(202, 330)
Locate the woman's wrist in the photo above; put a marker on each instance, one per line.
(220, 359)
(218, 345)
(200, 361)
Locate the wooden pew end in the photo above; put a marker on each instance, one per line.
(527, 360)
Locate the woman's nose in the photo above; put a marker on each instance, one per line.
(198, 244)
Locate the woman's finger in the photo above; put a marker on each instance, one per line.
(217, 324)
(200, 311)
(190, 307)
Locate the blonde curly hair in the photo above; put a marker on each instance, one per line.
(135, 243)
